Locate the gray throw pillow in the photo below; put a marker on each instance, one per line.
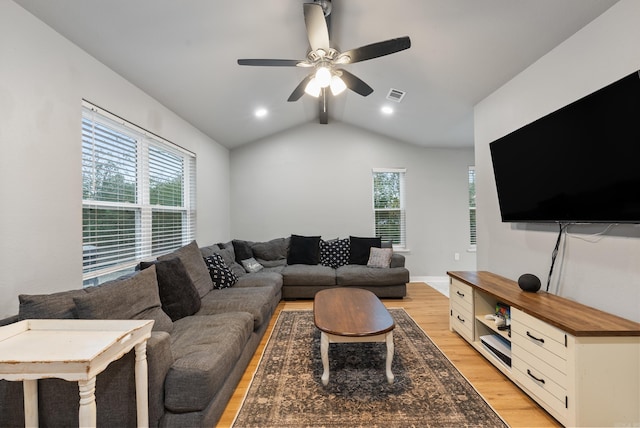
(134, 298)
(380, 257)
(192, 260)
(178, 295)
(251, 265)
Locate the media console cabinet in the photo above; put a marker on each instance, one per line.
(582, 365)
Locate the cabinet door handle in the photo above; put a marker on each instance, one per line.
(460, 319)
(531, 374)
(535, 338)
(460, 294)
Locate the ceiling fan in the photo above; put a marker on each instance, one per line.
(327, 61)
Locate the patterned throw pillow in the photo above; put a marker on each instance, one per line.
(221, 275)
(334, 253)
(380, 257)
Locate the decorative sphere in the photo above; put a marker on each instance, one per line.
(529, 282)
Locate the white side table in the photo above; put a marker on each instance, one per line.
(74, 350)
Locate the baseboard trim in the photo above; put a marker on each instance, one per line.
(428, 279)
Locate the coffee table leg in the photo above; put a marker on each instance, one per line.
(324, 353)
(390, 350)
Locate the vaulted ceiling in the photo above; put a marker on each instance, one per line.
(184, 54)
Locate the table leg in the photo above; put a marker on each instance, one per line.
(324, 353)
(30, 388)
(142, 390)
(390, 350)
(87, 412)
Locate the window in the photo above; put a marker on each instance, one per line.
(138, 195)
(472, 206)
(388, 205)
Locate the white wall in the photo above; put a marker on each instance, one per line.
(43, 78)
(316, 180)
(605, 273)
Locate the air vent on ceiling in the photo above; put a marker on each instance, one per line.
(395, 95)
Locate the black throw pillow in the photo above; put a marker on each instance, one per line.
(242, 250)
(178, 294)
(359, 249)
(304, 250)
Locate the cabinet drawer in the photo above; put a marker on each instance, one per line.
(538, 336)
(461, 321)
(539, 365)
(462, 294)
(548, 394)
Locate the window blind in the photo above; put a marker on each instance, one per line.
(472, 205)
(389, 205)
(138, 195)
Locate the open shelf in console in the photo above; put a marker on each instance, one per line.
(485, 304)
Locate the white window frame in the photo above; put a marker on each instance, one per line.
(184, 162)
(402, 245)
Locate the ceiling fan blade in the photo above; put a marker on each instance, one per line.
(323, 101)
(270, 62)
(299, 90)
(317, 29)
(375, 50)
(356, 84)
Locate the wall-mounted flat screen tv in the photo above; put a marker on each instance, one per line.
(578, 164)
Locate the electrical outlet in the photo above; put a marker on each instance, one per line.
(456, 256)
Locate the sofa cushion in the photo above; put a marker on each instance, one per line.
(55, 305)
(363, 275)
(134, 298)
(221, 275)
(257, 301)
(263, 279)
(308, 275)
(334, 253)
(304, 250)
(205, 350)
(274, 250)
(359, 249)
(380, 257)
(178, 295)
(193, 262)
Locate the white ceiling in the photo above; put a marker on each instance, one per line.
(183, 53)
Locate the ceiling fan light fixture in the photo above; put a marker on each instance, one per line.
(323, 77)
(313, 88)
(337, 85)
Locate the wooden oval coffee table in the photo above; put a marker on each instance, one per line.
(345, 315)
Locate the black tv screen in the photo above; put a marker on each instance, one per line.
(578, 164)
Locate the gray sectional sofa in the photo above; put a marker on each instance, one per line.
(338, 263)
(210, 314)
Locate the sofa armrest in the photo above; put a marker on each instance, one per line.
(397, 260)
(9, 320)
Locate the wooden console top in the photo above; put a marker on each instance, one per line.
(568, 315)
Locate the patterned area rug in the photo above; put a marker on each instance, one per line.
(428, 390)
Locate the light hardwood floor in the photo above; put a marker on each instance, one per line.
(430, 309)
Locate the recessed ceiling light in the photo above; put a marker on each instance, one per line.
(386, 110)
(261, 112)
